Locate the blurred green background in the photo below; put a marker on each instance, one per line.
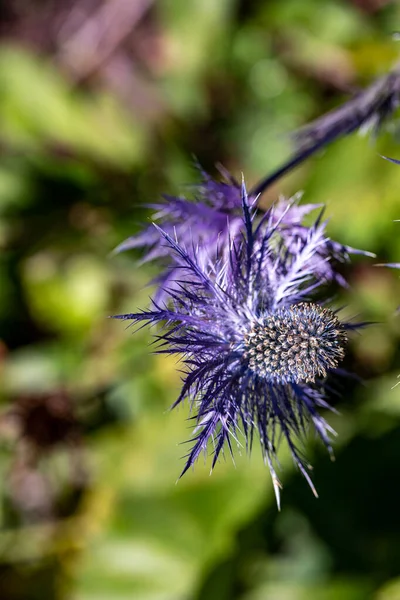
(103, 105)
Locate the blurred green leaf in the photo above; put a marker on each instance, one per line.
(39, 108)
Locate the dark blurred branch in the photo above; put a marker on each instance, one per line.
(368, 109)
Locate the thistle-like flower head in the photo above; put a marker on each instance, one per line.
(296, 344)
(256, 347)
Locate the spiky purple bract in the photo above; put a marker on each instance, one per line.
(206, 227)
(255, 347)
(201, 225)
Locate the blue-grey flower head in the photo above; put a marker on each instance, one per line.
(255, 344)
(298, 344)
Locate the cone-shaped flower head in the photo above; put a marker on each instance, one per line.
(255, 346)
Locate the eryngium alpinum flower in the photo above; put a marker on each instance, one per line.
(206, 225)
(256, 349)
